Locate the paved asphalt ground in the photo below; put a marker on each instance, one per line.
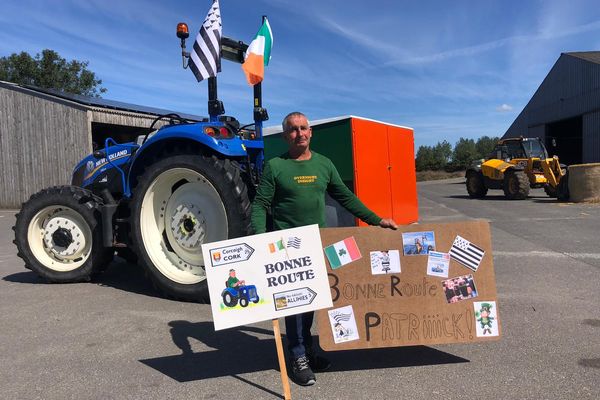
(115, 338)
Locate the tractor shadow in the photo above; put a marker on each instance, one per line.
(119, 275)
(542, 198)
(236, 351)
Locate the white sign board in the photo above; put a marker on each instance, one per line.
(267, 276)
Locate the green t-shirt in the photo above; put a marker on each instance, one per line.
(295, 192)
(232, 281)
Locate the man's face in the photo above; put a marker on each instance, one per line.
(297, 133)
(232, 274)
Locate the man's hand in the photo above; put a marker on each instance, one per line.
(388, 223)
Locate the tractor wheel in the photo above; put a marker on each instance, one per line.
(229, 300)
(256, 299)
(244, 302)
(550, 191)
(58, 234)
(179, 203)
(476, 185)
(515, 185)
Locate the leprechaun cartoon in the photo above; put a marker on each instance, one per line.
(484, 318)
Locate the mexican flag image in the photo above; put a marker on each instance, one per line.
(258, 54)
(342, 253)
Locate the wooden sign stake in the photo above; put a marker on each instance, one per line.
(282, 368)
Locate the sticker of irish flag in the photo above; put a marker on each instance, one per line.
(276, 246)
(342, 253)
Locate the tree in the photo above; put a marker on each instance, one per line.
(464, 153)
(441, 155)
(424, 159)
(485, 145)
(49, 70)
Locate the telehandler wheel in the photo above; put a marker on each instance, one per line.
(551, 191)
(476, 185)
(58, 234)
(179, 203)
(562, 190)
(515, 185)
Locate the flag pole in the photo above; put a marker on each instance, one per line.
(287, 394)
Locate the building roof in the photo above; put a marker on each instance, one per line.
(273, 130)
(591, 56)
(99, 102)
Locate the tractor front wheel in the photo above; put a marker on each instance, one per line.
(476, 185)
(515, 185)
(58, 234)
(179, 203)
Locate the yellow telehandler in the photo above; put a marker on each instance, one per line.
(516, 165)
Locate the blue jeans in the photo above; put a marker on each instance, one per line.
(297, 328)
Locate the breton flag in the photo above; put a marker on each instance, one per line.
(466, 253)
(205, 59)
(258, 55)
(342, 253)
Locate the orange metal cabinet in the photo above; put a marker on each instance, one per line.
(384, 169)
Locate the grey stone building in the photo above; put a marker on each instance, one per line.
(565, 110)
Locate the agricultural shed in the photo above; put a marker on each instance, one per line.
(45, 133)
(376, 160)
(565, 109)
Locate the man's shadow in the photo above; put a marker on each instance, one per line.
(237, 351)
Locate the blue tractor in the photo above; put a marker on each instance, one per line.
(156, 200)
(242, 294)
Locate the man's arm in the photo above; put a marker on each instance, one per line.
(263, 200)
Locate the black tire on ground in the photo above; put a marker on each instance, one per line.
(183, 193)
(562, 190)
(244, 302)
(476, 185)
(229, 300)
(256, 299)
(550, 191)
(515, 185)
(127, 254)
(49, 232)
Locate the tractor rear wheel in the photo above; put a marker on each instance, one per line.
(515, 185)
(58, 234)
(229, 300)
(476, 185)
(180, 202)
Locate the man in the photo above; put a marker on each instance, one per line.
(293, 187)
(233, 281)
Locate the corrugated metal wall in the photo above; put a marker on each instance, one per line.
(591, 137)
(571, 88)
(40, 142)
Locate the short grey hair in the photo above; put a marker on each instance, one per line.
(284, 123)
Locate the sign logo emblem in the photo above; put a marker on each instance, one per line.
(230, 254)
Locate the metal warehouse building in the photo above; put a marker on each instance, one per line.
(565, 110)
(44, 134)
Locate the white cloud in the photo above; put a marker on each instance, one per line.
(504, 108)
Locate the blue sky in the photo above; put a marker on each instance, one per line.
(448, 69)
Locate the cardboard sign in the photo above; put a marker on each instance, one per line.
(379, 305)
(266, 276)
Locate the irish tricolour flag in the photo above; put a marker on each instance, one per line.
(342, 253)
(258, 54)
